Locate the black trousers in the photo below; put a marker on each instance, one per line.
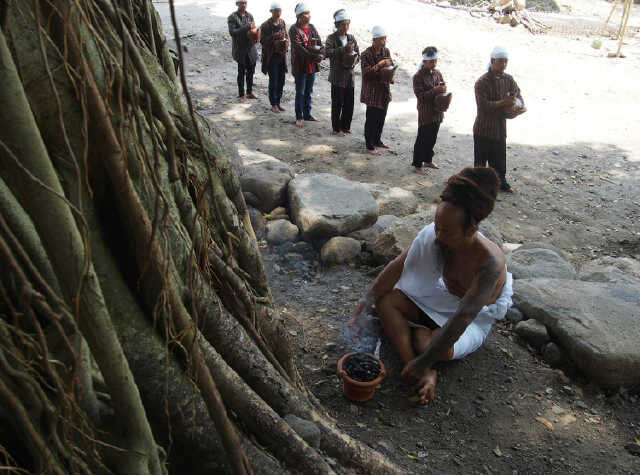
(246, 70)
(492, 152)
(341, 108)
(425, 141)
(373, 125)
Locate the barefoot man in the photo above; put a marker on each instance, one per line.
(439, 298)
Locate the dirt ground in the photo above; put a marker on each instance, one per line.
(575, 162)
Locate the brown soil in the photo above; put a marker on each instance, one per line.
(573, 158)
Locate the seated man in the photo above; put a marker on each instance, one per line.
(439, 298)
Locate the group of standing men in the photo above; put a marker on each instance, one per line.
(497, 94)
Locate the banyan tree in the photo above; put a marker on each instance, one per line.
(138, 333)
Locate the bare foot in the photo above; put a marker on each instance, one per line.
(311, 119)
(275, 109)
(373, 152)
(427, 387)
(382, 145)
(431, 165)
(244, 100)
(282, 109)
(419, 170)
(339, 133)
(299, 123)
(347, 131)
(251, 95)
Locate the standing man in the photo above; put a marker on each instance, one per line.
(306, 53)
(243, 49)
(427, 84)
(343, 52)
(376, 91)
(275, 42)
(498, 98)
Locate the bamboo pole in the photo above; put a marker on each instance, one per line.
(613, 9)
(624, 26)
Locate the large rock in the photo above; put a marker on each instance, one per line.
(340, 250)
(324, 205)
(280, 231)
(401, 233)
(393, 200)
(598, 324)
(543, 245)
(266, 177)
(384, 221)
(539, 263)
(612, 269)
(367, 236)
(533, 332)
(258, 222)
(399, 236)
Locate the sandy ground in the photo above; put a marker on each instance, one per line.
(574, 159)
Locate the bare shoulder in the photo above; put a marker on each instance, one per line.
(491, 267)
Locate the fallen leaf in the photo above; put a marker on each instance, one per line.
(414, 399)
(293, 333)
(412, 457)
(497, 451)
(545, 422)
(637, 439)
(423, 454)
(567, 419)
(383, 416)
(361, 425)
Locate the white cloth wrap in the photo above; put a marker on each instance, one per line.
(499, 52)
(275, 6)
(427, 57)
(378, 32)
(342, 15)
(422, 282)
(302, 8)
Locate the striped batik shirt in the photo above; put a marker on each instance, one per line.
(374, 93)
(424, 81)
(491, 88)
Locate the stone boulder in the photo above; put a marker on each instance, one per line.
(598, 324)
(612, 269)
(533, 332)
(399, 236)
(280, 231)
(393, 200)
(324, 205)
(543, 245)
(539, 263)
(401, 233)
(367, 236)
(383, 222)
(340, 250)
(266, 177)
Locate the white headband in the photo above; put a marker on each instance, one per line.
(341, 15)
(499, 52)
(275, 6)
(426, 57)
(301, 8)
(378, 32)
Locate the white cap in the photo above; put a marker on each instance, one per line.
(378, 32)
(426, 57)
(302, 8)
(275, 6)
(341, 15)
(499, 52)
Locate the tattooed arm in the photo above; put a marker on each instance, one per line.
(482, 288)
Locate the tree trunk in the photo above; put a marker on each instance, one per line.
(133, 268)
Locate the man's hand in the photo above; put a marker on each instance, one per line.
(251, 25)
(440, 89)
(383, 64)
(508, 102)
(349, 48)
(424, 381)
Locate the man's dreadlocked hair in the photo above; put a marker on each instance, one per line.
(474, 190)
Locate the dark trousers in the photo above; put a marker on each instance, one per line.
(425, 141)
(277, 75)
(492, 152)
(341, 108)
(373, 125)
(246, 71)
(304, 89)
